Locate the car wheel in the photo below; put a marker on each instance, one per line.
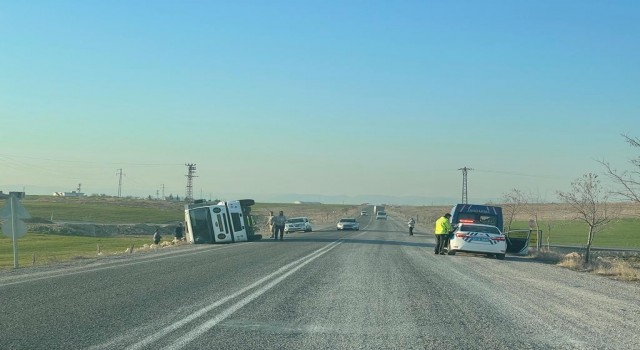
(500, 256)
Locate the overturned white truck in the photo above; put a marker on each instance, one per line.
(222, 222)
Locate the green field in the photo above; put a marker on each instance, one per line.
(624, 233)
(105, 210)
(43, 249)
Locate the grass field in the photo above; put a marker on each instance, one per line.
(105, 210)
(624, 233)
(42, 249)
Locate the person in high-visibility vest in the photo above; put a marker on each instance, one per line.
(442, 233)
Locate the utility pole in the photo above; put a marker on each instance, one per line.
(464, 184)
(119, 173)
(190, 175)
(162, 191)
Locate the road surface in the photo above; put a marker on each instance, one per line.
(377, 288)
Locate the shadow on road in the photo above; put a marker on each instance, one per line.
(349, 240)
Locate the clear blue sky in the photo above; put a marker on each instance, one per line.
(341, 98)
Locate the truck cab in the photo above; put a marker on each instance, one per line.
(222, 222)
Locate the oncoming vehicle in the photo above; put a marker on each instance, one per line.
(364, 213)
(297, 224)
(477, 238)
(381, 215)
(348, 224)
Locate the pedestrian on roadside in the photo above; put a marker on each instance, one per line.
(179, 232)
(442, 229)
(156, 236)
(412, 224)
(270, 222)
(279, 222)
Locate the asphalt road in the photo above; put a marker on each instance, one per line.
(376, 288)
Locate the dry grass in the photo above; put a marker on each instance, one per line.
(624, 268)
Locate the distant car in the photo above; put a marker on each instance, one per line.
(297, 224)
(381, 215)
(348, 224)
(364, 213)
(478, 238)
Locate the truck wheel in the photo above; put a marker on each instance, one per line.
(500, 256)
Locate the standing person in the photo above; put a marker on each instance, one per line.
(156, 236)
(270, 219)
(279, 222)
(442, 233)
(412, 224)
(179, 232)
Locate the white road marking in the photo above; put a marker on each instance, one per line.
(190, 336)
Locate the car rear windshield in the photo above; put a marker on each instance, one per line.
(293, 221)
(381, 213)
(478, 218)
(347, 220)
(482, 229)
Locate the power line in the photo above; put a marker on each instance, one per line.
(464, 184)
(119, 182)
(517, 174)
(190, 175)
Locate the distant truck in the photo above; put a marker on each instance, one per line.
(223, 222)
(377, 208)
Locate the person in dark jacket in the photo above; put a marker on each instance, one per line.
(279, 222)
(412, 224)
(179, 232)
(156, 236)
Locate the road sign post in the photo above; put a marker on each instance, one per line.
(12, 224)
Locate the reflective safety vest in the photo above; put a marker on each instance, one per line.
(442, 226)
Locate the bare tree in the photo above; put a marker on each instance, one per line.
(517, 201)
(589, 202)
(533, 209)
(514, 202)
(629, 181)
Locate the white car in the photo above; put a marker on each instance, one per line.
(477, 238)
(381, 215)
(364, 213)
(297, 224)
(348, 224)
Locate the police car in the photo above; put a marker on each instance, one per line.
(477, 238)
